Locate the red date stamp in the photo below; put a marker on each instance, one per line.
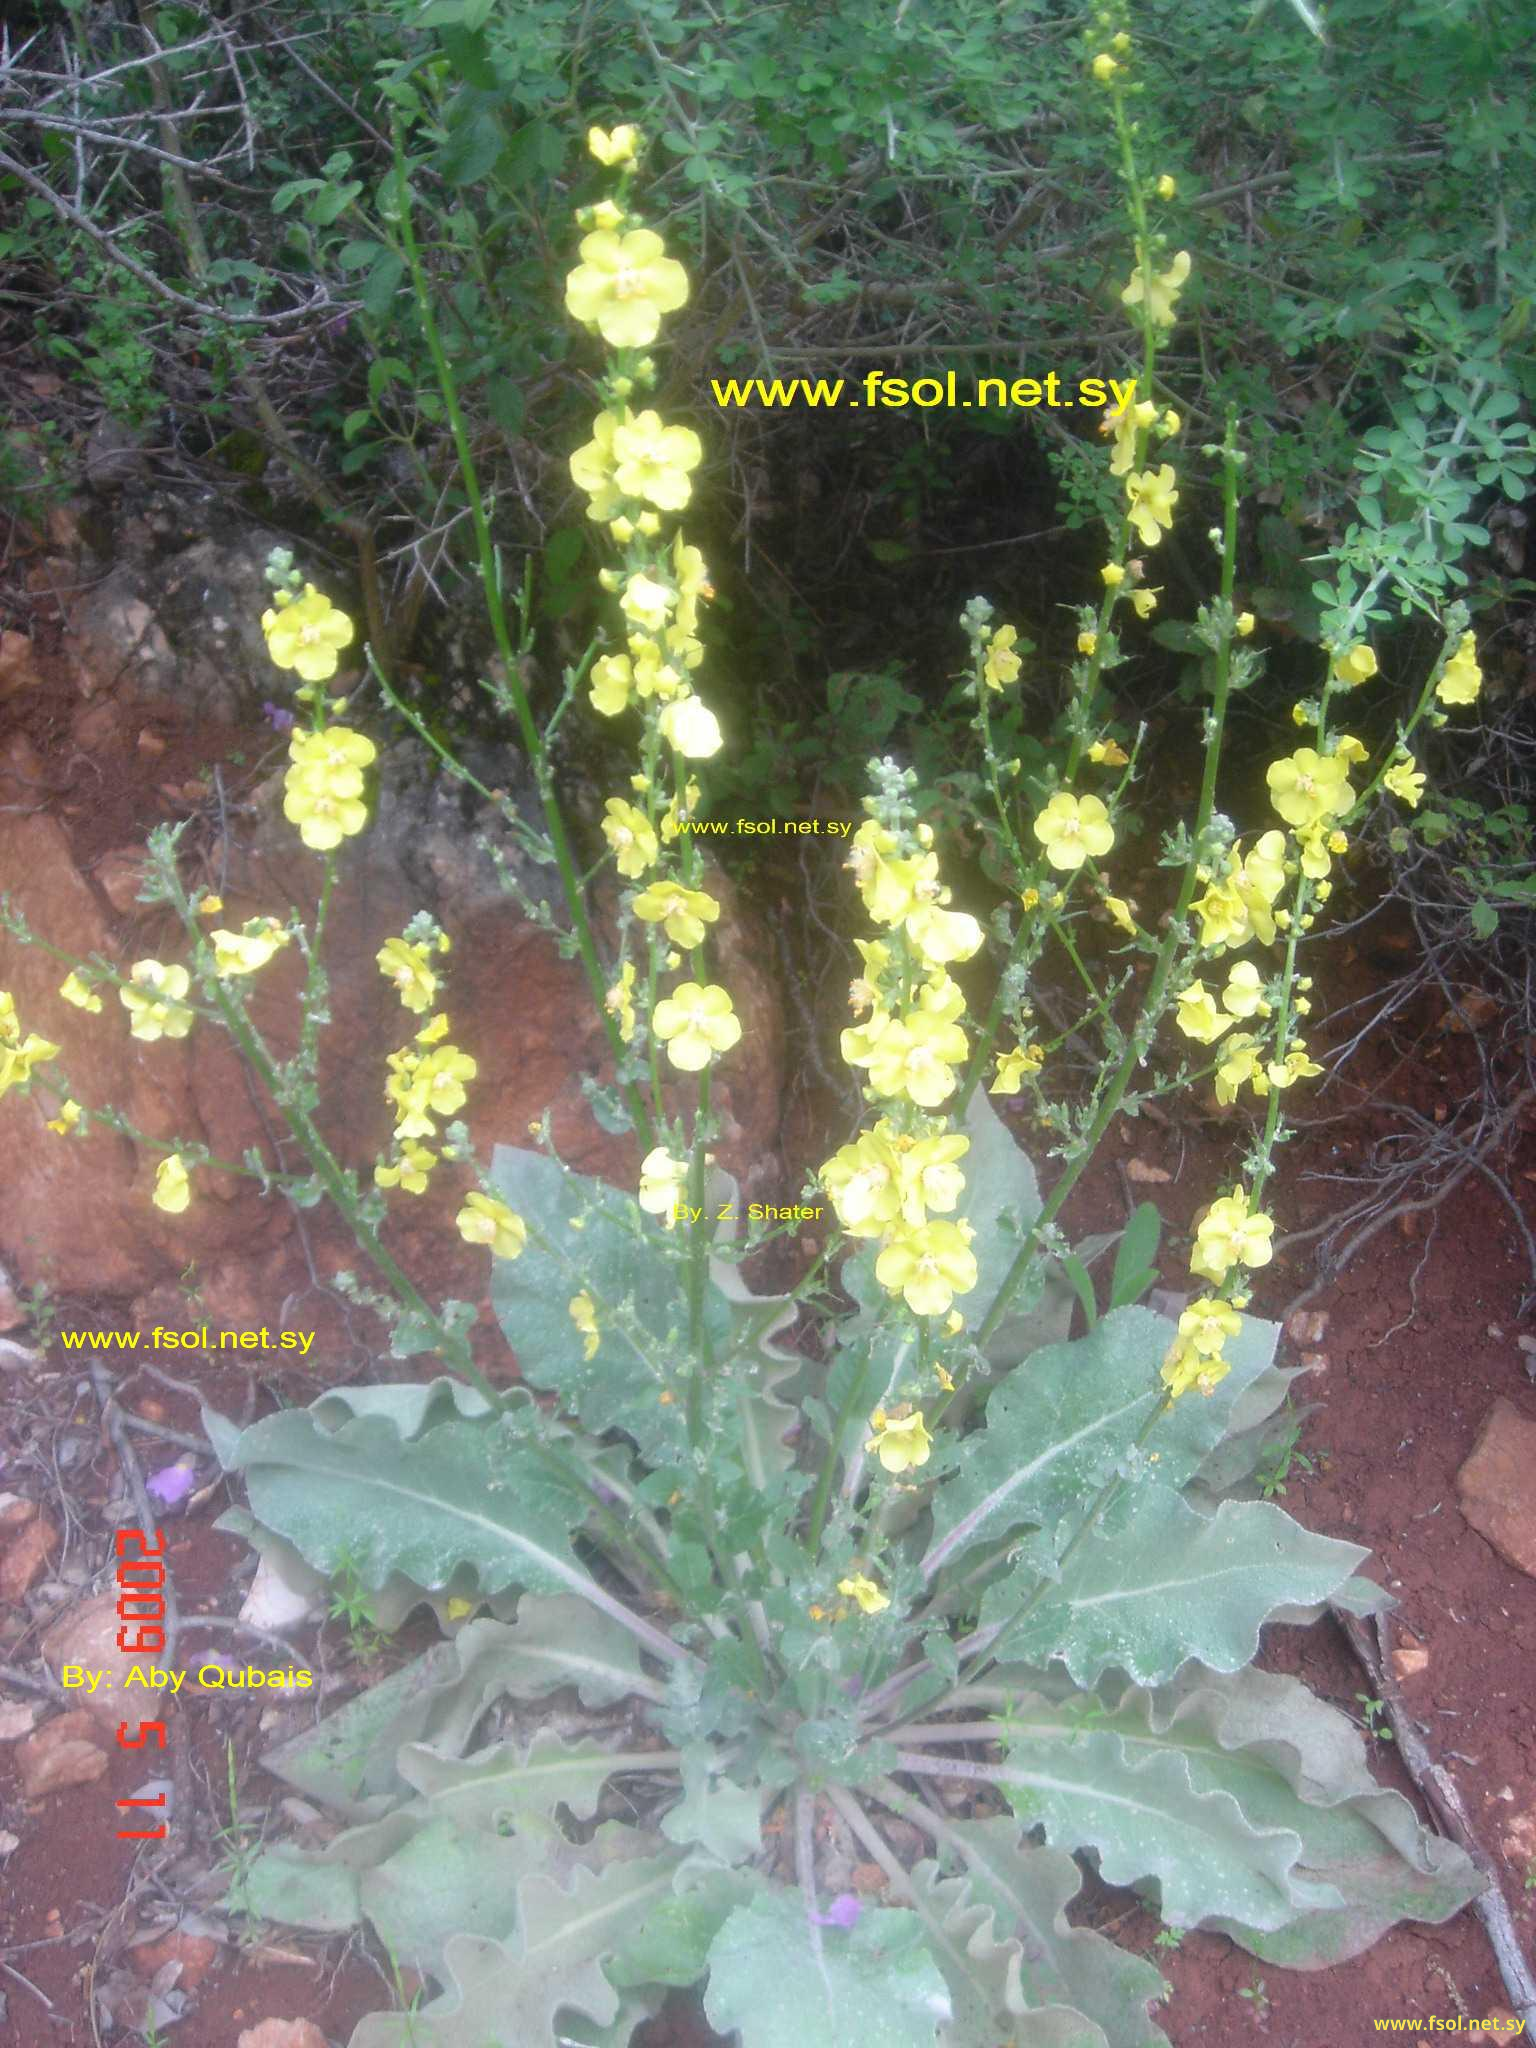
(141, 1627)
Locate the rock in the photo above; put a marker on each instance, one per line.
(194, 1953)
(87, 1636)
(119, 874)
(17, 1718)
(1307, 1328)
(1148, 1175)
(116, 642)
(62, 1753)
(25, 1556)
(18, 669)
(282, 2034)
(114, 457)
(1497, 1485)
(12, 1313)
(1410, 1660)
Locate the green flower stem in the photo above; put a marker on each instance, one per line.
(490, 578)
(1168, 951)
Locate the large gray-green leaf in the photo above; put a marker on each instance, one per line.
(671, 1945)
(1002, 1200)
(1022, 1891)
(1066, 1420)
(505, 1785)
(782, 1982)
(721, 1816)
(1147, 1817)
(442, 1882)
(464, 1493)
(757, 1369)
(1292, 1760)
(1221, 1787)
(505, 1994)
(348, 1760)
(1156, 1583)
(580, 1242)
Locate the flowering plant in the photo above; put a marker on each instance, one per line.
(939, 1572)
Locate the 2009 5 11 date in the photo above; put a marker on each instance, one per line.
(141, 1627)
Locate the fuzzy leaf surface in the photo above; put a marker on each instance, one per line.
(783, 1983)
(1157, 1583)
(1065, 1421)
(580, 1243)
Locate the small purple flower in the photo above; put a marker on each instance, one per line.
(843, 1912)
(170, 1484)
(278, 717)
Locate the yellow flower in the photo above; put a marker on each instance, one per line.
(631, 836)
(1239, 1064)
(1230, 1236)
(1072, 829)
(1463, 679)
(900, 1443)
(1296, 1066)
(1405, 779)
(172, 1191)
(1306, 787)
(928, 1266)
(1167, 187)
(941, 936)
(1104, 67)
(154, 1002)
(1223, 915)
(1150, 498)
(1198, 1016)
(694, 1023)
(307, 635)
(1125, 422)
(1144, 602)
(1112, 573)
(615, 146)
(682, 913)
(646, 603)
(652, 461)
(68, 1116)
(915, 1057)
(1120, 911)
(324, 785)
(583, 1313)
(1243, 995)
(1207, 1324)
(1108, 754)
(662, 1180)
(623, 285)
(406, 967)
(75, 991)
(1002, 663)
(432, 1032)
(210, 906)
(410, 1171)
(19, 1056)
(422, 1087)
(1087, 643)
(862, 1181)
(1355, 665)
(591, 467)
(869, 1596)
(1185, 1367)
(612, 680)
(1244, 623)
(1349, 749)
(1012, 1068)
(1159, 290)
(251, 947)
(691, 727)
(928, 1174)
(485, 1220)
(620, 1001)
